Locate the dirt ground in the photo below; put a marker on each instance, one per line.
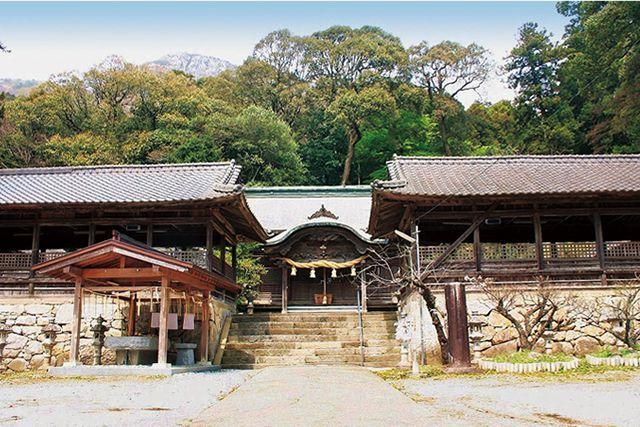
(502, 400)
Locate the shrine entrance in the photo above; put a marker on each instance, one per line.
(316, 264)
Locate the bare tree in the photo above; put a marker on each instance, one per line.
(387, 269)
(4, 48)
(618, 315)
(530, 309)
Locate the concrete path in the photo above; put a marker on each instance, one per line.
(315, 396)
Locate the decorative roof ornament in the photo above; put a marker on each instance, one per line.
(323, 212)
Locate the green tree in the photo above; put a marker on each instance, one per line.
(445, 71)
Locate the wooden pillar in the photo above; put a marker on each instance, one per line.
(209, 246)
(223, 255)
(285, 289)
(35, 245)
(150, 235)
(131, 321)
(458, 328)
(597, 224)
(477, 249)
(163, 331)
(234, 261)
(92, 235)
(204, 329)
(76, 325)
(537, 229)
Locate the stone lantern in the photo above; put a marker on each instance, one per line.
(548, 338)
(475, 334)
(50, 331)
(98, 330)
(4, 333)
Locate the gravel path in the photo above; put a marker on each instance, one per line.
(115, 402)
(502, 400)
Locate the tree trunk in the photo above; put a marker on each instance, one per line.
(443, 136)
(430, 300)
(354, 136)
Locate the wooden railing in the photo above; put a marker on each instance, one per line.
(523, 255)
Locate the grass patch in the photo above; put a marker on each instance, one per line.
(524, 356)
(611, 352)
(426, 371)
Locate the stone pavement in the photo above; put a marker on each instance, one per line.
(316, 396)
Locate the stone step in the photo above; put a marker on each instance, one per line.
(309, 331)
(311, 344)
(319, 317)
(389, 359)
(369, 351)
(368, 364)
(313, 324)
(307, 338)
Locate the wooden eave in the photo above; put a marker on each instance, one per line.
(114, 262)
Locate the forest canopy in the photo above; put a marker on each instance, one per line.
(331, 107)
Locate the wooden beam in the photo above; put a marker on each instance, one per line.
(163, 330)
(76, 325)
(222, 221)
(131, 320)
(537, 229)
(73, 271)
(452, 247)
(204, 329)
(597, 224)
(35, 245)
(122, 273)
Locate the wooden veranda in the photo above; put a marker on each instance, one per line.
(120, 265)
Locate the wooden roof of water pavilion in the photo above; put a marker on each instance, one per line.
(451, 181)
(121, 263)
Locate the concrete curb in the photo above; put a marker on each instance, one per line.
(524, 368)
(613, 361)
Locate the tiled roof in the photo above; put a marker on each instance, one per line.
(119, 184)
(281, 208)
(509, 176)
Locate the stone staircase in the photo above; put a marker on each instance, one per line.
(312, 338)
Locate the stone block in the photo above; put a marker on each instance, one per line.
(26, 320)
(592, 331)
(505, 347)
(37, 309)
(18, 365)
(495, 319)
(585, 345)
(64, 314)
(31, 331)
(562, 347)
(43, 320)
(16, 342)
(34, 347)
(608, 339)
(10, 353)
(16, 329)
(37, 362)
(12, 308)
(573, 335)
(504, 335)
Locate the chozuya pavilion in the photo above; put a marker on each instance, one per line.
(161, 237)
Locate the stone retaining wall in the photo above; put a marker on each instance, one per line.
(499, 336)
(26, 316)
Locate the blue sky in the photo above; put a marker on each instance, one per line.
(49, 38)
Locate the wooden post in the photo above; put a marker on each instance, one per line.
(597, 223)
(477, 249)
(223, 255)
(204, 329)
(92, 235)
(209, 246)
(458, 328)
(35, 245)
(76, 325)
(150, 235)
(131, 321)
(234, 261)
(163, 331)
(285, 290)
(537, 228)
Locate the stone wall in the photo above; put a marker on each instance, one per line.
(499, 335)
(26, 316)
